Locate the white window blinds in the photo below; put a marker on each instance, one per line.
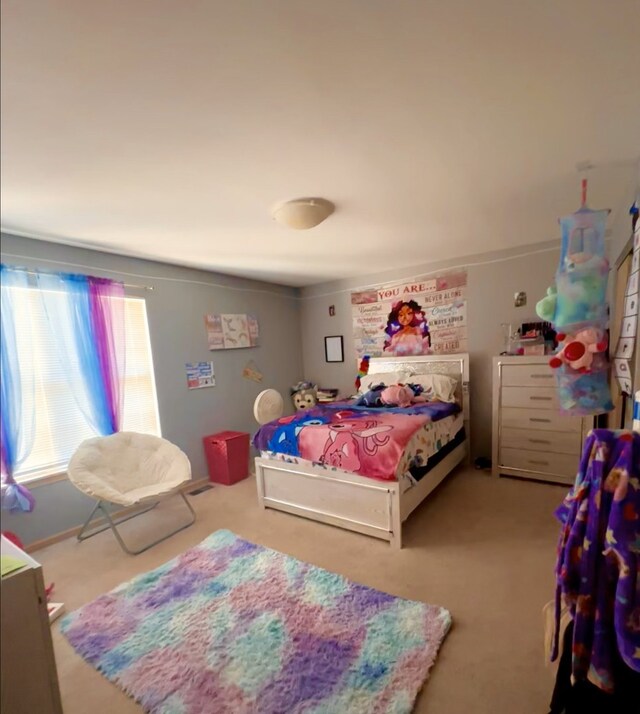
(59, 423)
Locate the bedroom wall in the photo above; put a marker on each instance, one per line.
(493, 278)
(176, 306)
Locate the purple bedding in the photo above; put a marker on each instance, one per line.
(362, 440)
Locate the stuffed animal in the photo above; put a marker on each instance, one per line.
(372, 397)
(399, 395)
(304, 396)
(578, 350)
(546, 308)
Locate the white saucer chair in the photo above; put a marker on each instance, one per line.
(129, 469)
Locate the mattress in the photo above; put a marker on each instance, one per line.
(424, 450)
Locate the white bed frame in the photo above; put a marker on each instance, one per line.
(357, 503)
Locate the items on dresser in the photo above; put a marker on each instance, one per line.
(531, 439)
(29, 676)
(531, 338)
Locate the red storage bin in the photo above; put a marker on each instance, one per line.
(227, 455)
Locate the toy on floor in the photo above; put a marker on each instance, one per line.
(304, 396)
(13, 538)
(577, 307)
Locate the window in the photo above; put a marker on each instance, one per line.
(59, 423)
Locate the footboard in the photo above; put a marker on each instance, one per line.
(335, 497)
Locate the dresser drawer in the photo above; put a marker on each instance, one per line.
(527, 375)
(551, 464)
(557, 442)
(521, 418)
(531, 397)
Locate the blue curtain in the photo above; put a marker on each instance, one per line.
(86, 315)
(17, 411)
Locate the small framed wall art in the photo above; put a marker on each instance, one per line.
(333, 349)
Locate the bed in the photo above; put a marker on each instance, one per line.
(363, 495)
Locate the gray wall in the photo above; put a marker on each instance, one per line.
(291, 344)
(493, 278)
(176, 309)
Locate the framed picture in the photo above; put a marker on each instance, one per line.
(333, 349)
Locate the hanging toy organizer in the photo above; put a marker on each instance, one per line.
(577, 307)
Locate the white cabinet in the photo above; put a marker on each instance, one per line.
(29, 676)
(531, 439)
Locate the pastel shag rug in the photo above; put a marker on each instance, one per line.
(231, 627)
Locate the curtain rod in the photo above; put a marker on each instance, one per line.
(126, 285)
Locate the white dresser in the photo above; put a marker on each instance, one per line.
(531, 439)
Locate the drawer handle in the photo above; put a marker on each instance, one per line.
(544, 421)
(541, 376)
(540, 463)
(541, 399)
(539, 441)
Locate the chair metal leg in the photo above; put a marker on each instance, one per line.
(100, 506)
(112, 524)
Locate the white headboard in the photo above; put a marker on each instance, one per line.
(452, 365)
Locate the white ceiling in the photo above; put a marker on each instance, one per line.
(168, 129)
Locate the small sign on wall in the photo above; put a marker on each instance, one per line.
(199, 375)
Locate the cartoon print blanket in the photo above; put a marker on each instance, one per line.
(369, 442)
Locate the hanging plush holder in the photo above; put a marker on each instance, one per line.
(577, 307)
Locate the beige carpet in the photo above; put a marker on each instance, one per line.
(482, 547)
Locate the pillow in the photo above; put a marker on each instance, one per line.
(386, 378)
(437, 387)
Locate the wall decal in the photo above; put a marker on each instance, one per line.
(417, 317)
(252, 372)
(226, 331)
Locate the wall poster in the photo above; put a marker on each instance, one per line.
(416, 317)
(199, 375)
(226, 332)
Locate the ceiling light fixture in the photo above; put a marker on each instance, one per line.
(303, 213)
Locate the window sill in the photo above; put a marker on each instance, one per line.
(34, 481)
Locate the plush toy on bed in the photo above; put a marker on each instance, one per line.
(394, 395)
(304, 396)
(401, 395)
(371, 398)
